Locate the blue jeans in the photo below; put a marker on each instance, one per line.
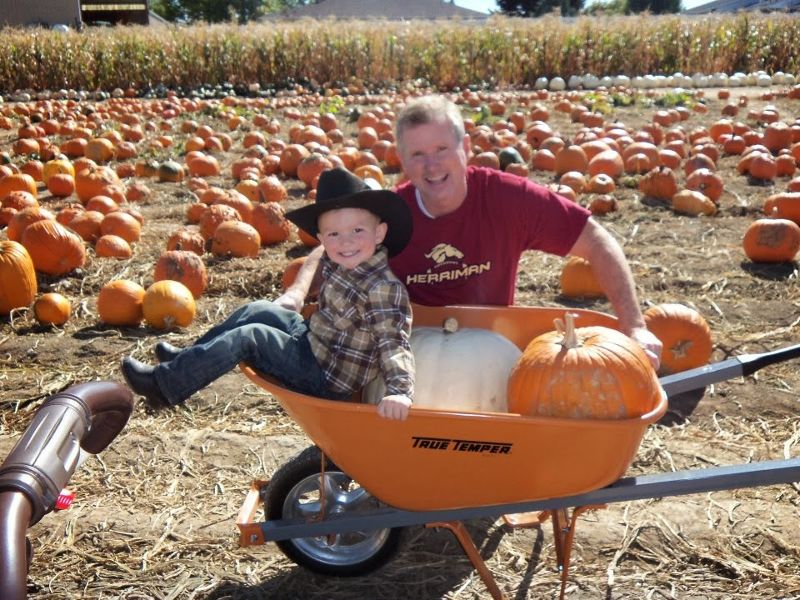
(271, 339)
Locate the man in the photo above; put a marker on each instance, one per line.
(471, 226)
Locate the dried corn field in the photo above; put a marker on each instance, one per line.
(384, 54)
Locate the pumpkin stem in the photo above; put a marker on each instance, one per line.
(567, 329)
(450, 325)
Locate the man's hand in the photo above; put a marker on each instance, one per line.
(291, 299)
(394, 407)
(650, 344)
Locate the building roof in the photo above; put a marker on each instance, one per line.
(392, 10)
(744, 5)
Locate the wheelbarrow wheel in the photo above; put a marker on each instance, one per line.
(294, 492)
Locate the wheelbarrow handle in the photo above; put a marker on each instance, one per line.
(746, 364)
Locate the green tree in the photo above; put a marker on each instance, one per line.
(536, 8)
(608, 7)
(171, 10)
(657, 7)
(217, 11)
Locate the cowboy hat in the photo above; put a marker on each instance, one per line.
(339, 188)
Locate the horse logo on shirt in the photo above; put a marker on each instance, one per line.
(443, 252)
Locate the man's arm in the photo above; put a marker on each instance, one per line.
(306, 283)
(610, 266)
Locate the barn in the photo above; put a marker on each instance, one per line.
(74, 13)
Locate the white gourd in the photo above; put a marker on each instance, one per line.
(457, 369)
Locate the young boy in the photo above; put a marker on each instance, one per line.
(360, 330)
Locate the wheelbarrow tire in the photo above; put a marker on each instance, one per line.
(294, 492)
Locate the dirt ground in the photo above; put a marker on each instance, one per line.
(154, 514)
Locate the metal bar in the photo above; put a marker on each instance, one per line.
(746, 364)
(679, 483)
(695, 379)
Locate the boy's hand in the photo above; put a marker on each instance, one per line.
(394, 407)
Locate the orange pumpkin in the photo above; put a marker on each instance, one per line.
(69, 212)
(772, 240)
(578, 280)
(763, 167)
(235, 238)
(20, 220)
(603, 204)
(112, 246)
(270, 223)
(213, 216)
(102, 204)
(638, 163)
(785, 205)
(119, 303)
(52, 309)
(61, 185)
(291, 270)
(185, 267)
(240, 202)
(601, 184)
(684, 333)
(187, 239)
(54, 249)
(87, 225)
(607, 162)
(659, 183)
(94, 181)
(17, 182)
(17, 277)
(777, 137)
(308, 240)
(271, 189)
(694, 203)
(99, 150)
(584, 373)
(571, 158)
(19, 200)
(291, 157)
(121, 224)
(311, 166)
(203, 166)
(706, 181)
(574, 180)
(168, 304)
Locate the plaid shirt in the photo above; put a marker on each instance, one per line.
(362, 327)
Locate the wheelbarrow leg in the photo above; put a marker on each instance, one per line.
(462, 535)
(564, 536)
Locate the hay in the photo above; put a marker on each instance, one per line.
(154, 515)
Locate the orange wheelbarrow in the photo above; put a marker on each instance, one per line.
(337, 508)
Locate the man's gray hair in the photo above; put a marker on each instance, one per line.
(430, 109)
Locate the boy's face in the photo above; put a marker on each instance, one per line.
(350, 235)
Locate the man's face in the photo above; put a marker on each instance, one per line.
(436, 163)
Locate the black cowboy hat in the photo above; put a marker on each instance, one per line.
(339, 188)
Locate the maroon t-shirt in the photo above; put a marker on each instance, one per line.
(471, 256)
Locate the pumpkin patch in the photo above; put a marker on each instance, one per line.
(260, 152)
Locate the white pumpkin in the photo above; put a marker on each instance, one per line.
(622, 80)
(467, 369)
(574, 82)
